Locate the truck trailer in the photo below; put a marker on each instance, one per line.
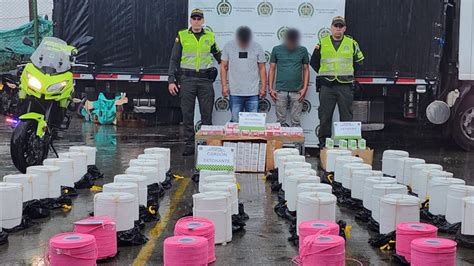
(419, 67)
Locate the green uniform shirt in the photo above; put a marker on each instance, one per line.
(289, 67)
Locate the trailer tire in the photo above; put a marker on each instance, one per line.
(463, 124)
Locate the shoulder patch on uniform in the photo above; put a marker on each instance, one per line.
(317, 46)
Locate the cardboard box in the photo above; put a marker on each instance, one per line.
(367, 155)
(262, 157)
(240, 156)
(254, 157)
(232, 145)
(247, 156)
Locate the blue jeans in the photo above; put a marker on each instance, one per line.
(242, 104)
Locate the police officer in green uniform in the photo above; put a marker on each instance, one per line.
(191, 74)
(334, 59)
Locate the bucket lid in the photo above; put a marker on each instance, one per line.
(121, 185)
(295, 165)
(156, 149)
(314, 185)
(73, 155)
(433, 245)
(300, 171)
(367, 173)
(400, 199)
(82, 148)
(300, 179)
(357, 166)
(25, 177)
(141, 170)
(58, 160)
(412, 228)
(290, 158)
(380, 180)
(394, 154)
(115, 196)
(143, 162)
(212, 195)
(427, 166)
(446, 181)
(437, 173)
(461, 188)
(389, 186)
(285, 150)
(349, 159)
(339, 152)
(43, 168)
(412, 161)
(130, 177)
(10, 186)
(321, 197)
(71, 240)
(152, 156)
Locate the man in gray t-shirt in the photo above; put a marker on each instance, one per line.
(243, 73)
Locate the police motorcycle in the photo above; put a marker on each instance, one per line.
(45, 89)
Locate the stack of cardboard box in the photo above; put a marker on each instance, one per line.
(250, 156)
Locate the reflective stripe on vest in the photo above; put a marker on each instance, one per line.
(337, 65)
(196, 54)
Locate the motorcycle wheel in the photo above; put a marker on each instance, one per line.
(26, 148)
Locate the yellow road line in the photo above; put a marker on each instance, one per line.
(155, 233)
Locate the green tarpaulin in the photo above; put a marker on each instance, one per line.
(12, 49)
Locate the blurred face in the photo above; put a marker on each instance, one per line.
(292, 39)
(196, 23)
(291, 44)
(338, 31)
(243, 44)
(244, 37)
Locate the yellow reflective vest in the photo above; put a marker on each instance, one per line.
(196, 54)
(339, 65)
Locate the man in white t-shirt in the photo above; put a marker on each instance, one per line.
(243, 73)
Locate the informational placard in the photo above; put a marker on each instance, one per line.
(215, 158)
(252, 121)
(347, 130)
(269, 20)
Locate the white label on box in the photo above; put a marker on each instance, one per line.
(252, 121)
(347, 130)
(216, 158)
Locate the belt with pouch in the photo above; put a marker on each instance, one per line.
(210, 73)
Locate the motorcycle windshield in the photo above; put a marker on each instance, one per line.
(52, 56)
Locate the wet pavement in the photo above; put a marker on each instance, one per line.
(264, 240)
